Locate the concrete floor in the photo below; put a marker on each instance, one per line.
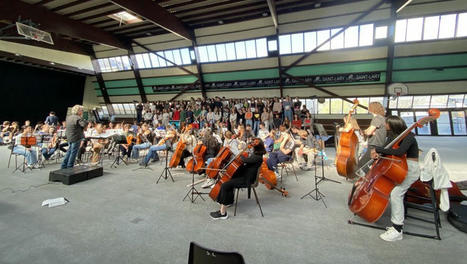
(124, 217)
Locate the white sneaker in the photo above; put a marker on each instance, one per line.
(391, 234)
(208, 183)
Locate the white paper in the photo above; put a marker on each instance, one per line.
(55, 202)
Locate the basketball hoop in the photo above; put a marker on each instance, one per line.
(34, 33)
(397, 89)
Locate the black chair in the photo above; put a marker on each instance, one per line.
(201, 255)
(251, 187)
(430, 207)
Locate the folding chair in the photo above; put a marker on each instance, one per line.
(250, 187)
(287, 166)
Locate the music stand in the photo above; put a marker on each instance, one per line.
(166, 172)
(315, 194)
(193, 191)
(118, 159)
(323, 137)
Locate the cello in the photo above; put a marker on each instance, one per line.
(230, 170)
(221, 159)
(370, 194)
(181, 145)
(346, 156)
(269, 179)
(198, 156)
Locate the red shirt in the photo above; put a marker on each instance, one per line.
(176, 115)
(297, 123)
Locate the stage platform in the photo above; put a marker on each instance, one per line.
(125, 217)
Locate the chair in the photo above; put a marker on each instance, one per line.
(250, 187)
(288, 165)
(430, 207)
(201, 255)
(21, 166)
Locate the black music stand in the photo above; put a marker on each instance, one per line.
(323, 137)
(193, 191)
(166, 172)
(118, 159)
(315, 194)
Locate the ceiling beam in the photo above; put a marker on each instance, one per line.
(52, 22)
(103, 14)
(92, 8)
(272, 10)
(61, 7)
(59, 44)
(157, 15)
(139, 82)
(100, 79)
(43, 63)
(43, 2)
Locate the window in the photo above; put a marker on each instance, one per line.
(140, 61)
(393, 103)
(192, 55)
(310, 41)
(338, 41)
(443, 124)
(203, 54)
(221, 54)
(154, 60)
(366, 35)
(351, 37)
(212, 53)
(168, 55)
(455, 100)
(185, 53)
(230, 49)
(297, 43)
(401, 29)
(426, 129)
(284, 44)
(162, 61)
(240, 50)
(113, 64)
(439, 101)
(414, 29)
(323, 108)
(462, 25)
(431, 28)
(421, 101)
(407, 117)
(364, 102)
(447, 26)
(323, 36)
(336, 106)
(250, 49)
(147, 61)
(261, 48)
(272, 45)
(381, 32)
(405, 102)
(177, 57)
(458, 123)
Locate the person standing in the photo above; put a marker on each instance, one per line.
(74, 133)
(52, 119)
(139, 113)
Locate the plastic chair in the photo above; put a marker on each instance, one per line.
(250, 187)
(202, 255)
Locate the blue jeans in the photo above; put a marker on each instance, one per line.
(256, 127)
(152, 153)
(275, 158)
(136, 148)
(249, 122)
(30, 154)
(289, 115)
(70, 155)
(47, 153)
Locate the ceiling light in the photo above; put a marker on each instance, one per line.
(220, 22)
(148, 34)
(265, 14)
(404, 5)
(53, 63)
(317, 5)
(17, 54)
(125, 18)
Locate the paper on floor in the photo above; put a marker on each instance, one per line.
(55, 202)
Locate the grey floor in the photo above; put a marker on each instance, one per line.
(124, 217)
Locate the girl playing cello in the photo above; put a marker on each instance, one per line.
(243, 177)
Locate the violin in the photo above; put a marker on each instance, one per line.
(370, 194)
(346, 157)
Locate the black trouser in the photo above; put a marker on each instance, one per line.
(185, 154)
(125, 151)
(226, 193)
(82, 148)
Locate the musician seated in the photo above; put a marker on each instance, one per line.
(163, 144)
(26, 151)
(212, 148)
(125, 149)
(97, 144)
(144, 141)
(49, 143)
(243, 177)
(189, 139)
(263, 132)
(306, 148)
(5, 131)
(269, 140)
(231, 142)
(283, 154)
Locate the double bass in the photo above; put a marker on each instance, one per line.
(370, 194)
(346, 156)
(196, 163)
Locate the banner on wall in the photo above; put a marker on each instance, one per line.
(264, 83)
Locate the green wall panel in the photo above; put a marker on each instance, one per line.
(96, 85)
(120, 83)
(241, 75)
(435, 61)
(123, 91)
(170, 80)
(430, 75)
(99, 92)
(342, 67)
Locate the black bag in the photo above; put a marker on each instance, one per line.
(457, 216)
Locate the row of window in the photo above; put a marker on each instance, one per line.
(239, 50)
(431, 27)
(355, 36)
(426, 101)
(448, 123)
(413, 29)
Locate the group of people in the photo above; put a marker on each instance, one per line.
(280, 129)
